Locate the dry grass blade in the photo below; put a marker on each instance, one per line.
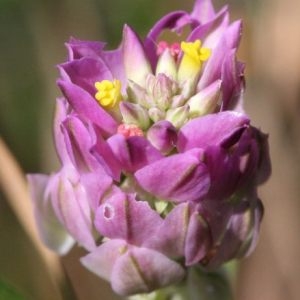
(14, 186)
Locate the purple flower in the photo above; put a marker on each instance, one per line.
(159, 163)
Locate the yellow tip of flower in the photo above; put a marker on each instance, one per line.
(193, 57)
(108, 92)
(195, 52)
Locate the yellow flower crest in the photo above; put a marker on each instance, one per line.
(191, 63)
(195, 52)
(108, 92)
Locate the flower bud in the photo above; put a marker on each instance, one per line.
(205, 101)
(178, 116)
(138, 95)
(166, 65)
(156, 114)
(135, 114)
(162, 136)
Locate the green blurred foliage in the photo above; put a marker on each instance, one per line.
(8, 292)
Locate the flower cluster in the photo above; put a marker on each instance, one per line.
(159, 163)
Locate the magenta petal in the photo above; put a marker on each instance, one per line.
(103, 153)
(134, 55)
(102, 260)
(122, 217)
(78, 141)
(220, 164)
(85, 72)
(198, 239)
(169, 21)
(142, 270)
(78, 49)
(163, 136)
(210, 130)
(134, 152)
(203, 11)
(114, 61)
(228, 41)
(233, 81)
(211, 31)
(61, 109)
(52, 233)
(171, 234)
(71, 204)
(241, 233)
(178, 178)
(87, 107)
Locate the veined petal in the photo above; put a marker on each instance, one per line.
(241, 233)
(123, 217)
(85, 72)
(101, 261)
(72, 203)
(198, 239)
(203, 11)
(228, 41)
(87, 107)
(195, 133)
(163, 136)
(60, 115)
(170, 21)
(142, 270)
(232, 76)
(211, 31)
(136, 64)
(51, 231)
(178, 178)
(171, 234)
(78, 48)
(79, 143)
(134, 152)
(114, 61)
(103, 153)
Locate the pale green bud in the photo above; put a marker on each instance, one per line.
(156, 114)
(135, 114)
(167, 65)
(205, 101)
(178, 116)
(137, 94)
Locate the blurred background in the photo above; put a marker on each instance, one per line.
(32, 35)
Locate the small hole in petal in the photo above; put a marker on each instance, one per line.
(108, 212)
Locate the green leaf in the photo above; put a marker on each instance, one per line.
(8, 292)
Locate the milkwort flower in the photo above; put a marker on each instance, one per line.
(159, 163)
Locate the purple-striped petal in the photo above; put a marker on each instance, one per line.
(203, 11)
(61, 110)
(198, 239)
(87, 107)
(85, 72)
(78, 48)
(232, 81)
(134, 152)
(105, 156)
(134, 55)
(71, 205)
(122, 217)
(51, 231)
(185, 178)
(210, 130)
(213, 68)
(101, 261)
(142, 270)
